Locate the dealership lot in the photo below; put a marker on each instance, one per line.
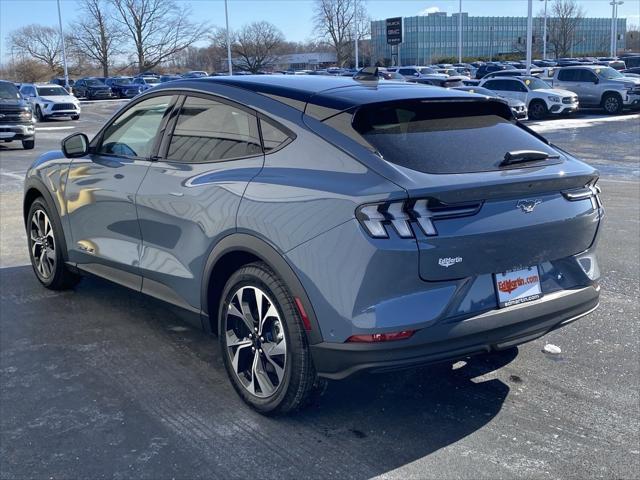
(101, 382)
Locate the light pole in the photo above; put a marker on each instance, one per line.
(64, 51)
(529, 34)
(226, 17)
(355, 24)
(460, 31)
(614, 26)
(544, 32)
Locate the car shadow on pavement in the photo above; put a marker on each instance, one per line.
(102, 382)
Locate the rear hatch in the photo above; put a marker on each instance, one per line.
(470, 211)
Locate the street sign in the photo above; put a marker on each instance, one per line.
(394, 30)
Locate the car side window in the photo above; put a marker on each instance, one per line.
(133, 133)
(495, 85)
(587, 76)
(272, 136)
(567, 75)
(211, 131)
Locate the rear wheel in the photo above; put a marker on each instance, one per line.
(28, 144)
(612, 103)
(538, 110)
(263, 343)
(46, 242)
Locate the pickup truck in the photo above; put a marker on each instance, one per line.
(16, 117)
(599, 86)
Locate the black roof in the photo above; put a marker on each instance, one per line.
(326, 92)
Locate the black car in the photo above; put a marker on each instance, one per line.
(61, 81)
(634, 70)
(491, 67)
(91, 89)
(123, 87)
(16, 117)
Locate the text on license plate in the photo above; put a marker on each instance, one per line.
(518, 286)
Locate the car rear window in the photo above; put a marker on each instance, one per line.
(441, 138)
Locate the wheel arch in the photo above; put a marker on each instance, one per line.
(239, 249)
(610, 92)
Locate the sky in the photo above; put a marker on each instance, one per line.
(294, 17)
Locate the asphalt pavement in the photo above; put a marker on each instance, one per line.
(101, 383)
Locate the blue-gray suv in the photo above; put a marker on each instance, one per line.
(324, 226)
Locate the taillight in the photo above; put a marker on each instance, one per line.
(380, 337)
(404, 214)
(590, 191)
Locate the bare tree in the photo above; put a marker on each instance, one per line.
(335, 24)
(256, 45)
(632, 38)
(39, 42)
(566, 16)
(158, 29)
(96, 34)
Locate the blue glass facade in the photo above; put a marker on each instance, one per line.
(427, 38)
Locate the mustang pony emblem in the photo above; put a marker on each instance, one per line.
(527, 206)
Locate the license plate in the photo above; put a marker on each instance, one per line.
(518, 286)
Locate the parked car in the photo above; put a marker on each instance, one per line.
(600, 86)
(446, 82)
(146, 82)
(92, 89)
(491, 67)
(123, 87)
(49, 101)
(518, 107)
(632, 61)
(16, 117)
(195, 74)
(171, 78)
(541, 99)
(62, 82)
(613, 62)
(322, 243)
(413, 72)
(633, 70)
(516, 72)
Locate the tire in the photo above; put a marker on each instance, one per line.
(51, 270)
(75, 117)
(538, 110)
(275, 382)
(39, 115)
(28, 144)
(612, 103)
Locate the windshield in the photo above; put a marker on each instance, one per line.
(152, 80)
(608, 73)
(427, 71)
(536, 84)
(51, 91)
(92, 82)
(121, 81)
(8, 91)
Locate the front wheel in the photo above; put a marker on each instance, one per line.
(39, 115)
(612, 103)
(45, 240)
(538, 110)
(75, 117)
(263, 343)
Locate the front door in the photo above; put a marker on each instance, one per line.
(100, 193)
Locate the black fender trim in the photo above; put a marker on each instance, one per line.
(32, 183)
(242, 242)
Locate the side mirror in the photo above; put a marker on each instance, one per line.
(416, 74)
(596, 81)
(76, 145)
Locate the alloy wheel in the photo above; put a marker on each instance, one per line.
(43, 244)
(255, 341)
(611, 104)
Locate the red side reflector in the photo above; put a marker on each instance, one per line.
(381, 337)
(303, 315)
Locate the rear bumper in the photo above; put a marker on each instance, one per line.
(12, 131)
(493, 330)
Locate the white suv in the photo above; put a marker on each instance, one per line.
(541, 99)
(49, 101)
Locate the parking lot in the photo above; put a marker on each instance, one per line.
(99, 382)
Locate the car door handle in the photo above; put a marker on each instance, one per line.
(177, 194)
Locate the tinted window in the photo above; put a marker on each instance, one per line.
(406, 71)
(51, 91)
(495, 85)
(209, 131)
(586, 76)
(428, 138)
(8, 91)
(568, 75)
(133, 133)
(272, 136)
(514, 86)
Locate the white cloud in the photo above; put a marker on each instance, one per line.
(428, 10)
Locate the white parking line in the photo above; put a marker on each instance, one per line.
(41, 129)
(562, 123)
(16, 176)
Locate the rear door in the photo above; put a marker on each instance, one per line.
(191, 193)
(517, 89)
(101, 187)
(473, 215)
